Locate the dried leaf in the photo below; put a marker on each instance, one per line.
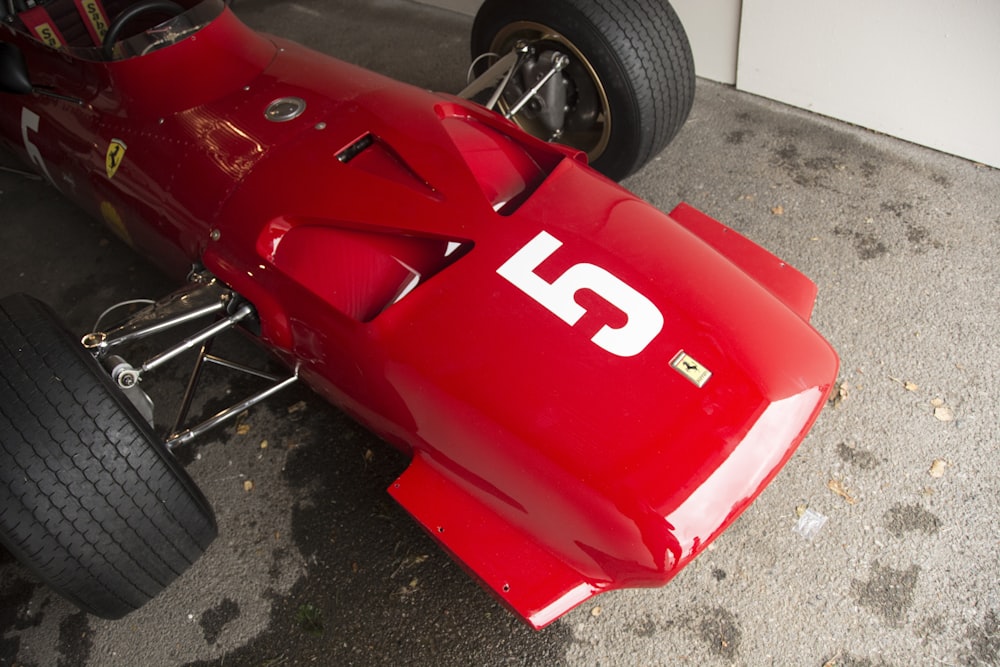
(937, 468)
(937, 402)
(908, 386)
(242, 429)
(263, 444)
(248, 485)
(778, 210)
(944, 414)
(840, 394)
(838, 487)
(800, 510)
(297, 407)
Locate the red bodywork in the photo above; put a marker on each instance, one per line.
(591, 390)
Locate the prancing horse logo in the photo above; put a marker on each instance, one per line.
(115, 156)
(690, 368)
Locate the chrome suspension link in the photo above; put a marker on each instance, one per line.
(559, 63)
(176, 439)
(204, 297)
(193, 302)
(186, 344)
(499, 75)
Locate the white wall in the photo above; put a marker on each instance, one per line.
(924, 70)
(927, 71)
(713, 28)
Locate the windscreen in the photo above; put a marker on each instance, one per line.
(153, 31)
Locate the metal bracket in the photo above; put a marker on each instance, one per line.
(204, 297)
(559, 63)
(179, 437)
(500, 75)
(196, 300)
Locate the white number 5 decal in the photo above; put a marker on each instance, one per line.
(644, 319)
(29, 121)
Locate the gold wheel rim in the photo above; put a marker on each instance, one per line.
(594, 139)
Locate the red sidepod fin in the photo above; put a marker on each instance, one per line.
(522, 574)
(788, 284)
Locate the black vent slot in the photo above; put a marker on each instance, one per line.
(352, 151)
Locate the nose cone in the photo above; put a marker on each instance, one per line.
(629, 391)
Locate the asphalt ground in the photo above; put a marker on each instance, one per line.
(317, 566)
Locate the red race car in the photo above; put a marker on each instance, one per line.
(590, 390)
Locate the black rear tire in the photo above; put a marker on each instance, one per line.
(636, 54)
(90, 500)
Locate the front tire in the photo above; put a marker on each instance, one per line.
(630, 80)
(90, 500)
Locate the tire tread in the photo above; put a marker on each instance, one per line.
(651, 56)
(90, 500)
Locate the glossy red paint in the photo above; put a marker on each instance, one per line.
(591, 390)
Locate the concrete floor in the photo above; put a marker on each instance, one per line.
(318, 566)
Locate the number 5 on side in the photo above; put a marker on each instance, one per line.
(645, 320)
(29, 121)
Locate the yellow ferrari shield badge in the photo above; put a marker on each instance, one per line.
(686, 365)
(115, 156)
